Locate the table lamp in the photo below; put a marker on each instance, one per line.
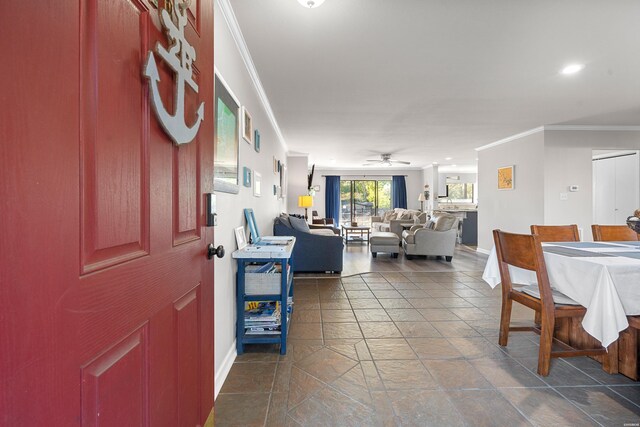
(422, 199)
(305, 202)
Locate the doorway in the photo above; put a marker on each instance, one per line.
(362, 199)
(616, 182)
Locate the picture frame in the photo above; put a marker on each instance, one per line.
(275, 190)
(275, 165)
(506, 178)
(247, 126)
(246, 177)
(226, 138)
(257, 184)
(256, 140)
(241, 238)
(283, 181)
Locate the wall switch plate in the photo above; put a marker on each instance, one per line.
(573, 188)
(564, 196)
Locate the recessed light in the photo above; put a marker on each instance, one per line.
(453, 166)
(311, 3)
(572, 69)
(448, 158)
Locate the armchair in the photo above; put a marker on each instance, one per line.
(437, 241)
(395, 225)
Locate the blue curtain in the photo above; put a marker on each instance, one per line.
(398, 192)
(332, 199)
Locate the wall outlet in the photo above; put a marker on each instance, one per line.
(573, 188)
(564, 196)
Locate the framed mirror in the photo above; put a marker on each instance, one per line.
(226, 139)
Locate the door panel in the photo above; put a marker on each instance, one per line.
(114, 125)
(106, 295)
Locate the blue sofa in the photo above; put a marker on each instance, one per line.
(312, 252)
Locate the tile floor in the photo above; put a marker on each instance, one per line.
(414, 349)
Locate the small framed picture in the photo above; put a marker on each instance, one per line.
(256, 140)
(257, 184)
(247, 126)
(246, 176)
(241, 238)
(506, 178)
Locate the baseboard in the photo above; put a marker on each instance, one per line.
(222, 373)
(483, 251)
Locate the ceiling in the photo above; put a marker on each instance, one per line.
(431, 79)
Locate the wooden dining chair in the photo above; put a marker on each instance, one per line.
(556, 233)
(525, 251)
(613, 233)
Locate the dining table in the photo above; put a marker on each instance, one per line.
(604, 277)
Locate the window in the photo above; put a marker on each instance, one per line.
(462, 192)
(362, 199)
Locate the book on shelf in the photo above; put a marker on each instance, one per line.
(262, 332)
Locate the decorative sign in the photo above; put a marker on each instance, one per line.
(179, 57)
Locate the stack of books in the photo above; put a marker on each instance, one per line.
(263, 317)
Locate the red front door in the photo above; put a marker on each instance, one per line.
(106, 295)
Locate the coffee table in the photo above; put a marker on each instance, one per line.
(351, 230)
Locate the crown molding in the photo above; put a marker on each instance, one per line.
(511, 138)
(238, 38)
(591, 128)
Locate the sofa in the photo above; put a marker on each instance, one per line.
(437, 238)
(393, 220)
(317, 250)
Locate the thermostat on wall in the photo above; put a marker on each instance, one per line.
(573, 188)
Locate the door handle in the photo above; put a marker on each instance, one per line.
(211, 251)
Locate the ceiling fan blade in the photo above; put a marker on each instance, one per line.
(400, 161)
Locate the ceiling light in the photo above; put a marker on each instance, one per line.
(453, 166)
(572, 69)
(448, 158)
(311, 3)
(434, 163)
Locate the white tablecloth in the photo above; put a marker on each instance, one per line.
(609, 287)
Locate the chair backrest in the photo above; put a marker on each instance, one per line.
(556, 233)
(523, 251)
(613, 233)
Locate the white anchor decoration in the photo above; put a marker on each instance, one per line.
(179, 57)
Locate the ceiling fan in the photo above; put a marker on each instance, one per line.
(385, 160)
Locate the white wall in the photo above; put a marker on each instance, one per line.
(297, 171)
(230, 206)
(547, 163)
(414, 181)
(568, 161)
(511, 210)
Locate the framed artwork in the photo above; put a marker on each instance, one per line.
(275, 165)
(246, 176)
(241, 238)
(275, 190)
(256, 140)
(257, 184)
(283, 180)
(506, 178)
(247, 126)
(226, 139)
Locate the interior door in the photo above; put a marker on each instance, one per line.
(106, 295)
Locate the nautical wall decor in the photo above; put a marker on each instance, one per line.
(179, 57)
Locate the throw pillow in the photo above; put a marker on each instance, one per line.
(391, 217)
(444, 223)
(299, 224)
(284, 220)
(386, 216)
(406, 215)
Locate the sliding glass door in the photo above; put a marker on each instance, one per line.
(362, 199)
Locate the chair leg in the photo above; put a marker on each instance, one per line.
(537, 319)
(546, 341)
(505, 320)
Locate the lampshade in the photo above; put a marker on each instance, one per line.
(305, 201)
(421, 197)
